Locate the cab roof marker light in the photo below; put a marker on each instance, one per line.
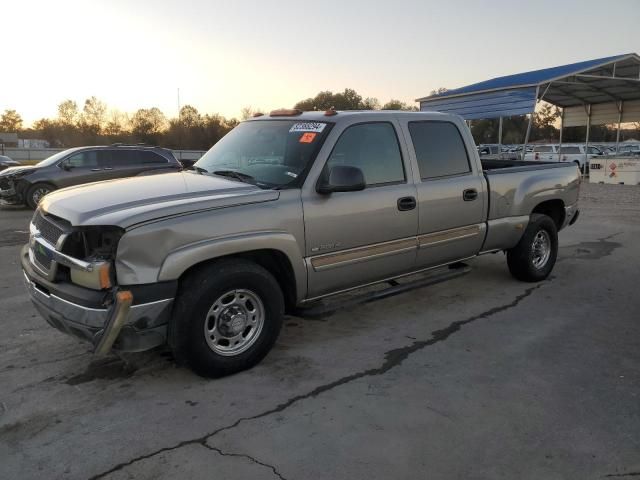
(330, 112)
(285, 112)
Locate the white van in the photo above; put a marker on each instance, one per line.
(569, 152)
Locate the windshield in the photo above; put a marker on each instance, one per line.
(53, 158)
(271, 153)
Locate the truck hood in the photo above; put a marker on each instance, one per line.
(131, 201)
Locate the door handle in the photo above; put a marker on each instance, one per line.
(406, 203)
(96, 169)
(108, 168)
(469, 194)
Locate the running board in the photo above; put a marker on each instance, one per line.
(324, 307)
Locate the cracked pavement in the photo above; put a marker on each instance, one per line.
(478, 377)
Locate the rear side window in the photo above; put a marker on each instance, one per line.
(543, 149)
(150, 157)
(124, 158)
(374, 149)
(440, 149)
(570, 150)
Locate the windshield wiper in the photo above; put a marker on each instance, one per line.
(200, 169)
(243, 177)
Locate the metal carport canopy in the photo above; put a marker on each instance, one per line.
(612, 83)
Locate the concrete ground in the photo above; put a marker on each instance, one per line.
(479, 377)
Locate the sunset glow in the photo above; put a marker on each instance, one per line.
(224, 56)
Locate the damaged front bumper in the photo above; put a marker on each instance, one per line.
(129, 319)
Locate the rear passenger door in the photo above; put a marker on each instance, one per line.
(452, 194)
(130, 162)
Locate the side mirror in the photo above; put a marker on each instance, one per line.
(342, 178)
(66, 167)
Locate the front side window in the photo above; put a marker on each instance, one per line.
(269, 153)
(440, 149)
(88, 159)
(374, 149)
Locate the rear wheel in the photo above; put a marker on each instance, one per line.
(534, 257)
(36, 192)
(227, 317)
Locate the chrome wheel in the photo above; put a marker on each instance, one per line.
(234, 322)
(38, 193)
(541, 249)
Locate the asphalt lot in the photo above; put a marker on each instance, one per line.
(480, 377)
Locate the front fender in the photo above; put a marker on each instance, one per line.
(181, 259)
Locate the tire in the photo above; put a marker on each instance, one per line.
(204, 328)
(35, 193)
(529, 261)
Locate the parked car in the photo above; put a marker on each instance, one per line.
(286, 209)
(629, 149)
(29, 184)
(496, 152)
(579, 154)
(6, 162)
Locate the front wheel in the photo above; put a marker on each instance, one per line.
(533, 258)
(227, 317)
(36, 192)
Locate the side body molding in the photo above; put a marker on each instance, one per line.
(181, 259)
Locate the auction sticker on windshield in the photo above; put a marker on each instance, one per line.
(308, 127)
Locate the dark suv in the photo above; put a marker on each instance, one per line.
(28, 184)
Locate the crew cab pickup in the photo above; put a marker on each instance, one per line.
(286, 209)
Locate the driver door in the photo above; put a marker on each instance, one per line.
(358, 237)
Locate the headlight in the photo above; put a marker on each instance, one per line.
(97, 246)
(99, 278)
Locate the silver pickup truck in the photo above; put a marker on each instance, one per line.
(286, 209)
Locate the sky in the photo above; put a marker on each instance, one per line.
(267, 54)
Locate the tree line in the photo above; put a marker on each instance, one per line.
(94, 123)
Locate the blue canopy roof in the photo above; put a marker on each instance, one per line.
(517, 94)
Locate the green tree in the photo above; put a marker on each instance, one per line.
(544, 121)
(93, 115)
(68, 112)
(394, 104)
(148, 123)
(10, 121)
(349, 99)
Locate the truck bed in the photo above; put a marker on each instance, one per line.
(515, 187)
(491, 166)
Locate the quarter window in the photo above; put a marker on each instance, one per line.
(374, 149)
(440, 149)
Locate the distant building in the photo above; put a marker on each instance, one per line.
(32, 143)
(9, 139)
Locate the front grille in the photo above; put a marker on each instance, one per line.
(50, 229)
(41, 257)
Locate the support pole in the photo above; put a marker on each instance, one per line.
(561, 128)
(620, 106)
(586, 141)
(526, 137)
(500, 139)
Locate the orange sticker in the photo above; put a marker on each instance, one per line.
(308, 137)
